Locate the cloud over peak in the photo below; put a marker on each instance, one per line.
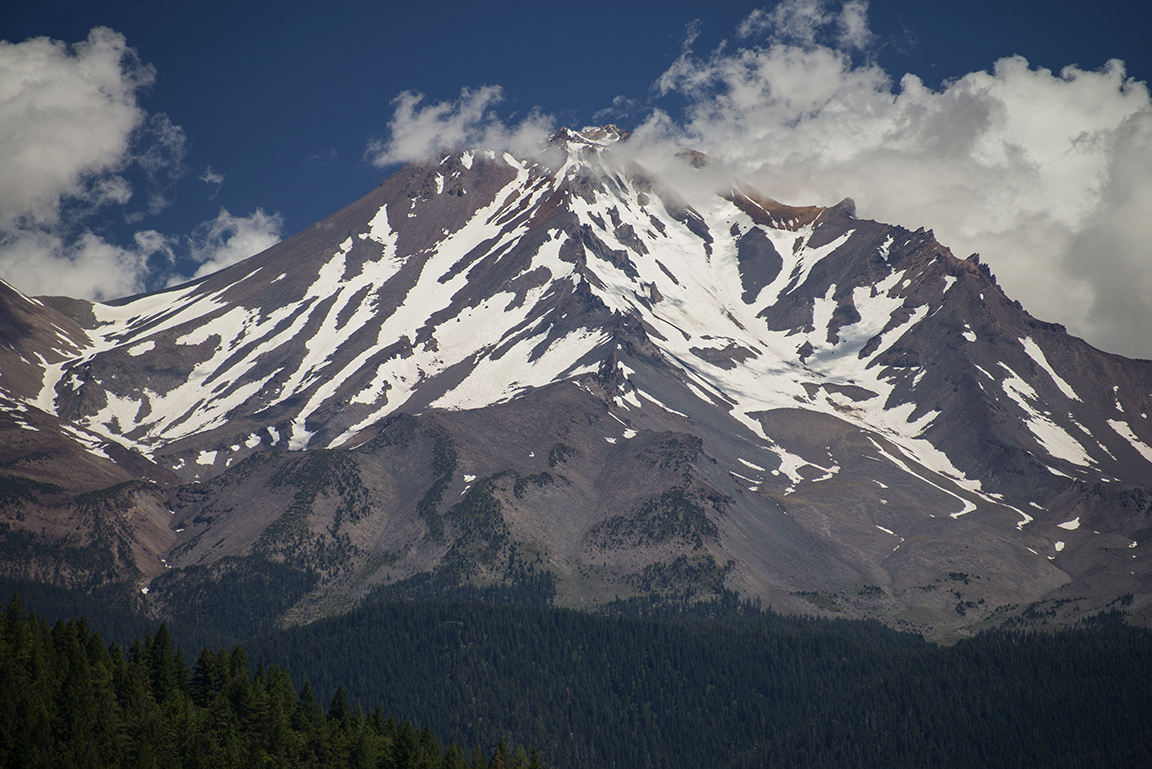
(1047, 175)
(418, 130)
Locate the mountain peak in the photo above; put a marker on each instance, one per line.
(591, 136)
(605, 134)
(609, 376)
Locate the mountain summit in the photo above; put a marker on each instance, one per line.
(556, 374)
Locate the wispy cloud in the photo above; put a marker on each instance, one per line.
(1047, 175)
(159, 148)
(214, 180)
(622, 108)
(808, 22)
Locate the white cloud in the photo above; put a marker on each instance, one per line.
(1047, 175)
(70, 127)
(418, 131)
(67, 115)
(228, 239)
(41, 262)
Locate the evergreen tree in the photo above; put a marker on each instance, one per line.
(498, 760)
(338, 711)
(454, 758)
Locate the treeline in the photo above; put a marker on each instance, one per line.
(655, 684)
(731, 686)
(67, 699)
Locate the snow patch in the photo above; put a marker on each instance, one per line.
(1125, 432)
(90, 443)
(299, 435)
(1036, 354)
(790, 465)
(140, 349)
(381, 231)
(883, 249)
(968, 505)
(1054, 439)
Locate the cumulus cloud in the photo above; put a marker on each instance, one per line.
(67, 115)
(419, 130)
(42, 262)
(228, 239)
(1047, 175)
(71, 128)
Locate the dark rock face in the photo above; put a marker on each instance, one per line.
(556, 375)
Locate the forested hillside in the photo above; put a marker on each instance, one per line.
(729, 685)
(722, 684)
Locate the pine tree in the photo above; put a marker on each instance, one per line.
(162, 667)
(519, 758)
(309, 712)
(338, 711)
(498, 756)
(454, 758)
(406, 749)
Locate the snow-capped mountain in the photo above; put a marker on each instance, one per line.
(492, 366)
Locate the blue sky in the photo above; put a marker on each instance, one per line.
(225, 126)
